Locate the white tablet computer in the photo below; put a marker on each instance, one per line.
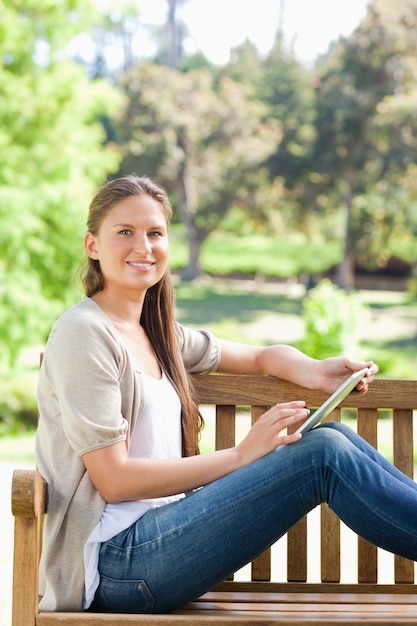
(332, 402)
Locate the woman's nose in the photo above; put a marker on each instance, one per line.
(142, 243)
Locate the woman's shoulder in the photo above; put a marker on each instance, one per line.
(82, 322)
(199, 348)
(85, 309)
(86, 312)
(82, 337)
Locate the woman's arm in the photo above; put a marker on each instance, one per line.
(119, 478)
(287, 362)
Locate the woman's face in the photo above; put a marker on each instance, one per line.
(131, 244)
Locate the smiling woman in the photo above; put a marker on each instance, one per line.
(133, 507)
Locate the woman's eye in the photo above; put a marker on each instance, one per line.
(125, 231)
(155, 233)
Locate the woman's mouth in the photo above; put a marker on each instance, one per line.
(140, 265)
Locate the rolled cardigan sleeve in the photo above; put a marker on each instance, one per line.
(80, 382)
(200, 350)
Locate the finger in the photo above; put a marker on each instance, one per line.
(288, 439)
(294, 404)
(283, 409)
(284, 421)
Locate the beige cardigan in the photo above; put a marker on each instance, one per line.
(89, 397)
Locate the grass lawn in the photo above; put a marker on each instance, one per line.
(223, 253)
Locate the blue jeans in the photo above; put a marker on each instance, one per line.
(177, 552)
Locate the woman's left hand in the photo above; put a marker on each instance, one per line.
(331, 373)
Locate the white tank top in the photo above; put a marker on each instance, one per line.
(157, 435)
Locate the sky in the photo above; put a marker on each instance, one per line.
(217, 26)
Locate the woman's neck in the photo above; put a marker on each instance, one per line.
(118, 308)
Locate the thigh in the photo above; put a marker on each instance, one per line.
(181, 550)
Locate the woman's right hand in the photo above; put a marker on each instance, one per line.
(265, 435)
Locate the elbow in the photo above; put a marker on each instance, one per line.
(114, 493)
(112, 497)
(107, 494)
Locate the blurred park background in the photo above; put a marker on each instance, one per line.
(293, 180)
(294, 183)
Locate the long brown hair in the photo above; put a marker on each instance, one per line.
(157, 316)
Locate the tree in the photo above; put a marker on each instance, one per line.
(114, 42)
(246, 67)
(287, 89)
(53, 157)
(203, 140)
(359, 154)
(109, 46)
(175, 35)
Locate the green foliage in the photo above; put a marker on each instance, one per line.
(53, 157)
(365, 133)
(332, 317)
(289, 93)
(18, 408)
(262, 146)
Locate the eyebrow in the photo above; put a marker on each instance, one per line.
(131, 226)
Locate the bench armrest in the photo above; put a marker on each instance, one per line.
(28, 494)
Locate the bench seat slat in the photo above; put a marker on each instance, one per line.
(228, 613)
(311, 608)
(312, 597)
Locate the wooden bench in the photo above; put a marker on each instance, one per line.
(294, 599)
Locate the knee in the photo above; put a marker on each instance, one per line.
(327, 439)
(334, 444)
(327, 430)
(336, 426)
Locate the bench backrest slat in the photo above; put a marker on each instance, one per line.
(403, 453)
(297, 552)
(260, 567)
(367, 427)
(330, 545)
(403, 440)
(330, 566)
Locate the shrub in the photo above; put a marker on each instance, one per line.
(18, 408)
(331, 316)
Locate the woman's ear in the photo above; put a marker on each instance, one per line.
(90, 245)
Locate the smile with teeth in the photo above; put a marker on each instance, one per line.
(140, 265)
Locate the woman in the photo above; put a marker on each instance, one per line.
(137, 520)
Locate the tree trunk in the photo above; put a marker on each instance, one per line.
(345, 276)
(193, 267)
(188, 205)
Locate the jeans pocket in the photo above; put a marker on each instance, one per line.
(123, 596)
